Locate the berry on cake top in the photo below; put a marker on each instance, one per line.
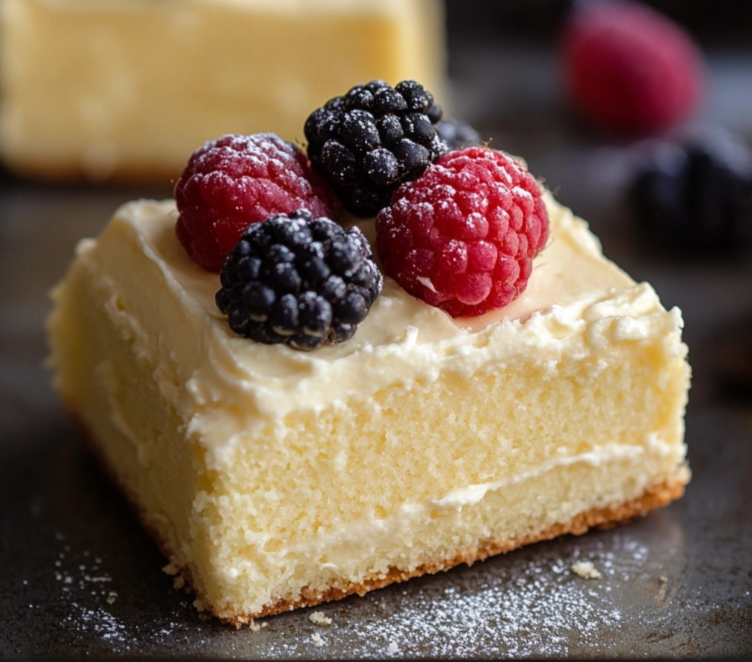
(456, 228)
(298, 280)
(463, 236)
(458, 135)
(374, 138)
(234, 181)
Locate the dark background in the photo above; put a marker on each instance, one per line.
(722, 22)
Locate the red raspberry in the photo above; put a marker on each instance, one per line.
(629, 68)
(463, 235)
(234, 181)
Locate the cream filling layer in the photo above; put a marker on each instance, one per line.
(577, 305)
(340, 545)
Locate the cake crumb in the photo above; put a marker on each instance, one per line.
(317, 640)
(178, 582)
(253, 626)
(586, 570)
(663, 579)
(170, 569)
(392, 648)
(318, 618)
(198, 604)
(382, 605)
(112, 597)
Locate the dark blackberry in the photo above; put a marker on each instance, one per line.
(298, 280)
(696, 196)
(458, 135)
(374, 138)
(730, 345)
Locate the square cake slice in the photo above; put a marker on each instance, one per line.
(125, 89)
(274, 479)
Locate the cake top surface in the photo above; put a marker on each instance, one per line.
(571, 265)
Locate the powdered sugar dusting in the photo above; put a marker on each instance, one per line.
(93, 609)
(533, 614)
(97, 622)
(81, 572)
(527, 604)
(507, 607)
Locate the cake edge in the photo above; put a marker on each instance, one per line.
(655, 496)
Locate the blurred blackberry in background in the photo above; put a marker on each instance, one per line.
(732, 349)
(696, 195)
(374, 138)
(298, 280)
(458, 135)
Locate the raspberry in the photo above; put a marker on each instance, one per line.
(297, 280)
(234, 181)
(463, 236)
(630, 69)
(368, 142)
(458, 135)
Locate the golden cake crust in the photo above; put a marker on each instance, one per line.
(656, 496)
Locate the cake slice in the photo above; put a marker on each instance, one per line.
(126, 89)
(274, 479)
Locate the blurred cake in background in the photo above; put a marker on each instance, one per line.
(125, 89)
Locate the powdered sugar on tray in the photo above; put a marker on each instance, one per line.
(97, 622)
(531, 609)
(527, 604)
(92, 606)
(81, 572)
(85, 585)
(532, 614)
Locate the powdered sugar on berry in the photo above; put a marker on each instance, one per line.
(235, 181)
(462, 237)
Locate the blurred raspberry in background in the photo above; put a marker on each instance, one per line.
(630, 69)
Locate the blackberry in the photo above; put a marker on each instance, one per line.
(374, 138)
(731, 347)
(298, 280)
(696, 196)
(458, 135)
